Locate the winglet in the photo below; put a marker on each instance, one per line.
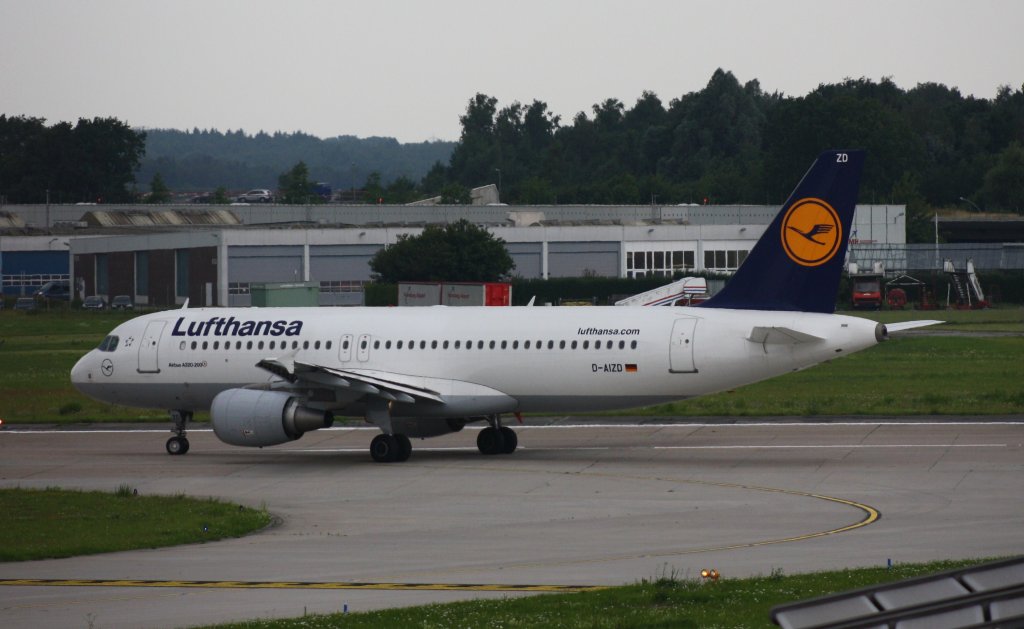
(797, 263)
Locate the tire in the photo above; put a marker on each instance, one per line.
(177, 445)
(404, 448)
(511, 440)
(383, 449)
(490, 441)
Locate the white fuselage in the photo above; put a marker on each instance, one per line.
(545, 359)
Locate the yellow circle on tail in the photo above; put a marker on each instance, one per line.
(811, 232)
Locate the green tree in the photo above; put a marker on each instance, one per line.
(1004, 182)
(294, 186)
(457, 252)
(220, 196)
(373, 191)
(454, 194)
(158, 191)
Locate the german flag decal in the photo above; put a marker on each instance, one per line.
(630, 367)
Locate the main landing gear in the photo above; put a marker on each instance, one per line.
(178, 444)
(497, 439)
(390, 448)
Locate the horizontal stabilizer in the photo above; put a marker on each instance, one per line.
(910, 325)
(780, 336)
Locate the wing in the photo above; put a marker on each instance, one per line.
(414, 395)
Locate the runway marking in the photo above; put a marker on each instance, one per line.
(857, 446)
(301, 585)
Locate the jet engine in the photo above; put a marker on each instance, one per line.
(248, 417)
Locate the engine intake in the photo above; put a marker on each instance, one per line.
(248, 417)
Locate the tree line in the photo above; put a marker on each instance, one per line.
(91, 161)
(928, 146)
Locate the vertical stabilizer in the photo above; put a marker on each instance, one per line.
(797, 263)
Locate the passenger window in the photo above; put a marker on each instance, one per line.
(479, 344)
(561, 345)
(216, 345)
(362, 344)
(586, 344)
(295, 345)
(344, 344)
(423, 345)
(622, 345)
(387, 344)
(272, 344)
(305, 345)
(515, 344)
(248, 345)
(632, 345)
(504, 345)
(195, 344)
(492, 344)
(597, 344)
(458, 344)
(433, 345)
(328, 345)
(259, 345)
(316, 345)
(181, 346)
(574, 345)
(399, 345)
(376, 345)
(526, 345)
(445, 346)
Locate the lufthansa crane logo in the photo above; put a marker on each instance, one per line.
(811, 232)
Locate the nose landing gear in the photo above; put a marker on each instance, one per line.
(178, 444)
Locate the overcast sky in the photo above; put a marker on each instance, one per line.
(407, 69)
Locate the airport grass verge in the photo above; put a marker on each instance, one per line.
(670, 600)
(53, 523)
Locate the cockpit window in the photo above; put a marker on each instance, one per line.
(109, 344)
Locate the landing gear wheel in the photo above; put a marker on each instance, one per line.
(387, 449)
(177, 445)
(404, 448)
(511, 440)
(490, 441)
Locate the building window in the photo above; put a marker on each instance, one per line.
(724, 260)
(662, 263)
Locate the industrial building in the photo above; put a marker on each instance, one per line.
(164, 255)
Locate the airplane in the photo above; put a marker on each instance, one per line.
(270, 375)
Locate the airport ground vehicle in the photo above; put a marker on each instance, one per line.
(122, 302)
(54, 290)
(94, 302)
(26, 303)
(256, 195)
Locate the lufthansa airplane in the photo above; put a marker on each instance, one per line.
(269, 375)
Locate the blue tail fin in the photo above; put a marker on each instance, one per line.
(797, 263)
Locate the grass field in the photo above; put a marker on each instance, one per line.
(660, 602)
(49, 523)
(975, 373)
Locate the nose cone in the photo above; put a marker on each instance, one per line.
(81, 373)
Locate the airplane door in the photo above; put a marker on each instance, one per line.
(681, 348)
(345, 348)
(363, 351)
(148, 359)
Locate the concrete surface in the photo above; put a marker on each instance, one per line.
(575, 505)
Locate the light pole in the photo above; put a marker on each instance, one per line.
(965, 199)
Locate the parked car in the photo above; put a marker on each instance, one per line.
(122, 302)
(256, 195)
(54, 290)
(26, 303)
(94, 302)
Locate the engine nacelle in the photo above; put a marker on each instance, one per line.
(249, 417)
